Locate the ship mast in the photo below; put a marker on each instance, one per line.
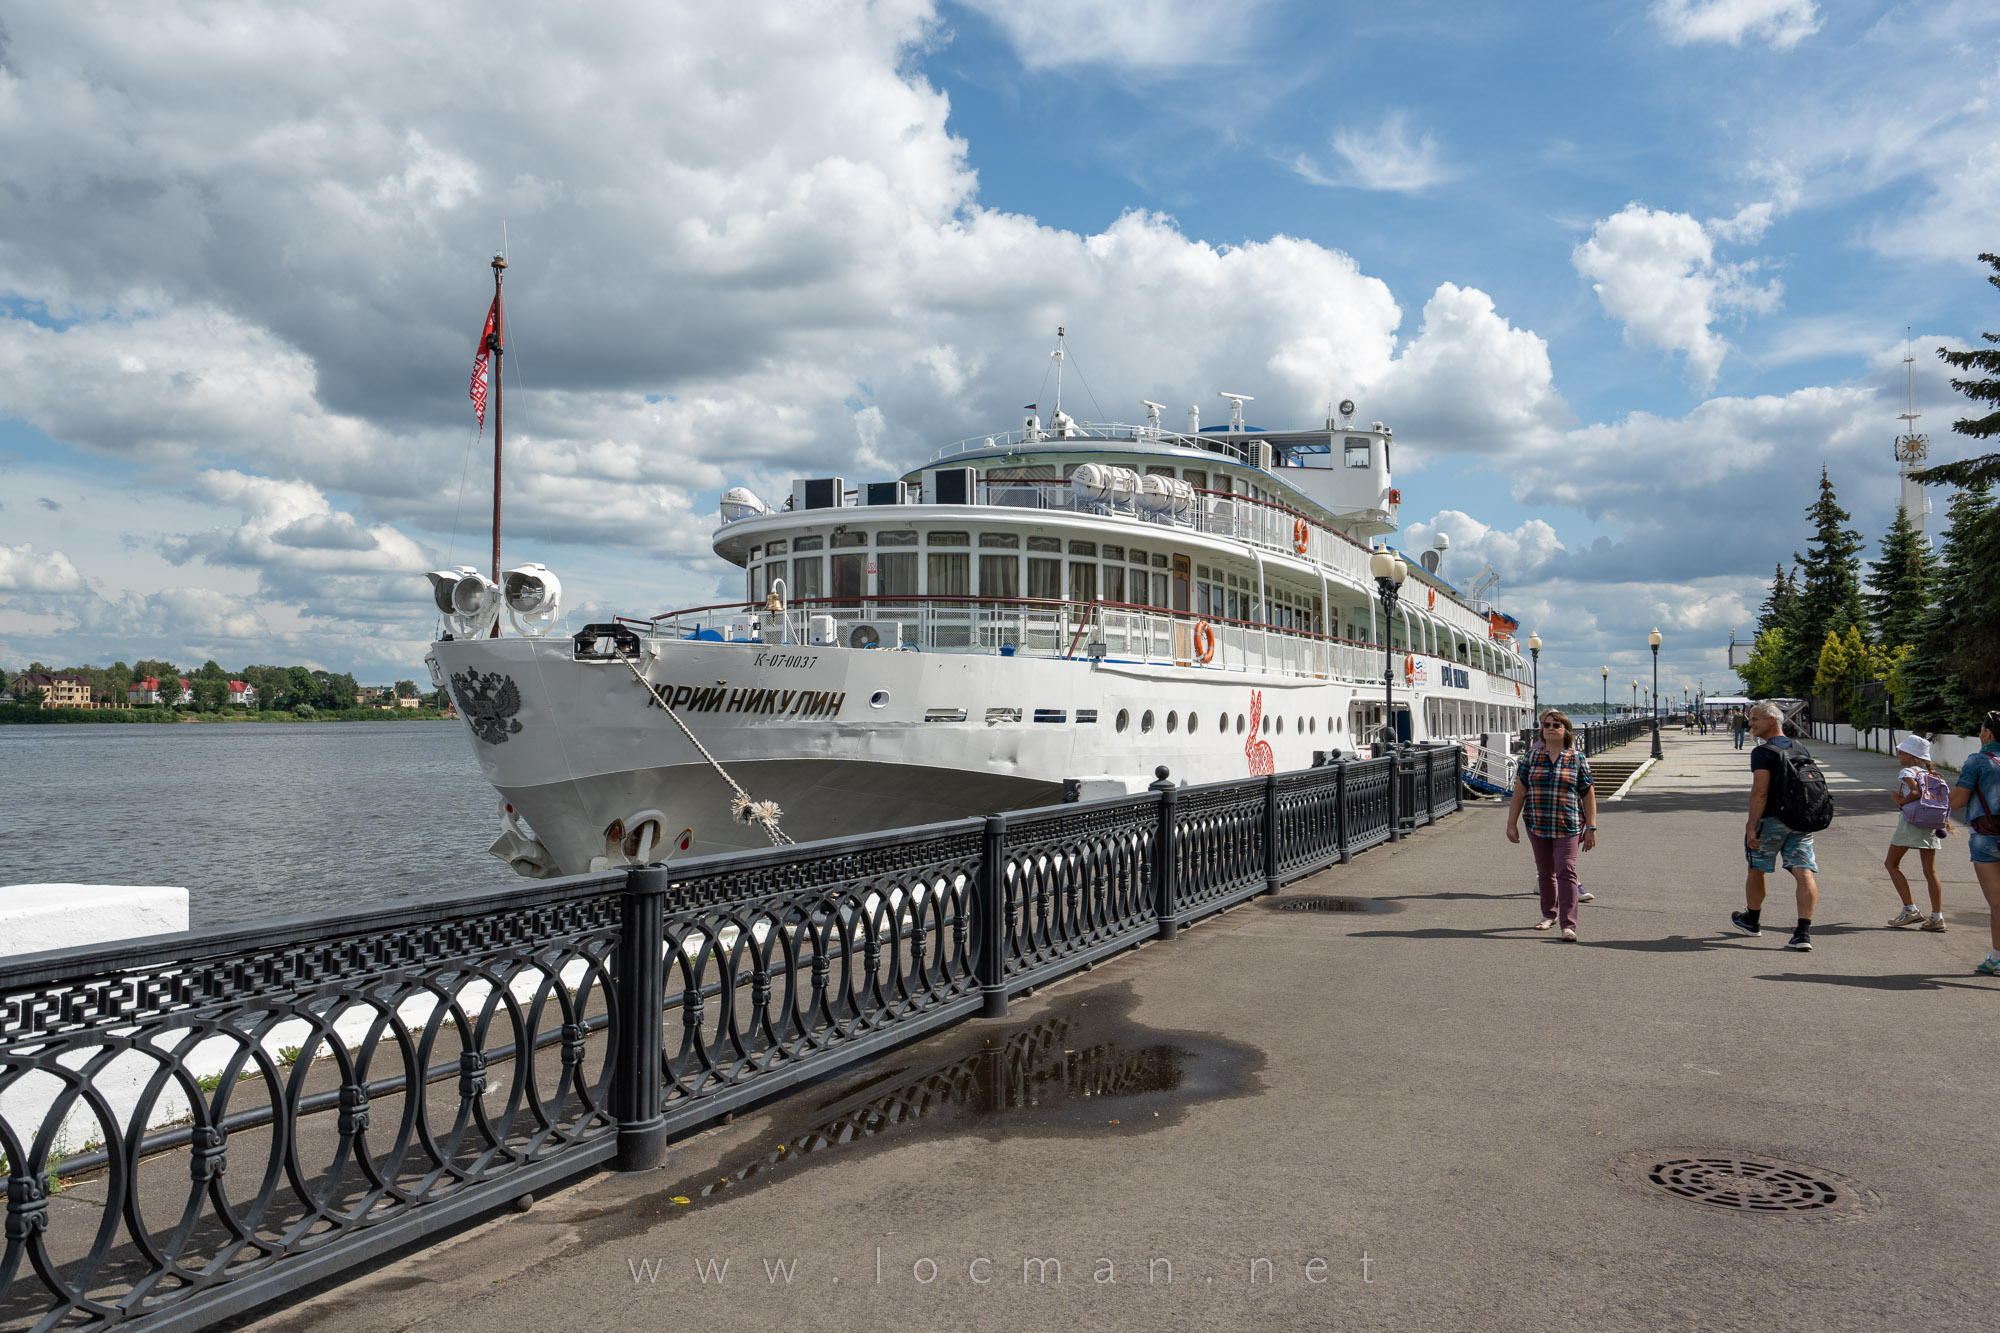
(496, 343)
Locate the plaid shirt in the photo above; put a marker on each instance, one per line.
(1555, 785)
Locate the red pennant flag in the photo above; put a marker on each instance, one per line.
(481, 362)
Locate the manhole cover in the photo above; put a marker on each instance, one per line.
(1320, 902)
(1760, 1186)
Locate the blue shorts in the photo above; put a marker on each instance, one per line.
(1984, 849)
(1773, 839)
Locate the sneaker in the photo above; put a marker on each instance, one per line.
(1545, 923)
(1799, 941)
(1586, 896)
(1569, 935)
(1989, 967)
(1738, 920)
(1934, 923)
(1909, 916)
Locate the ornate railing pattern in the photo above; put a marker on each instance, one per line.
(242, 1110)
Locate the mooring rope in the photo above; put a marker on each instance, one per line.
(743, 809)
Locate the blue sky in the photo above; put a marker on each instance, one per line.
(1622, 276)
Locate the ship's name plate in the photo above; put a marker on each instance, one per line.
(785, 659)
(749, 699)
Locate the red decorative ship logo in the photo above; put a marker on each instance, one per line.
(1257, 750)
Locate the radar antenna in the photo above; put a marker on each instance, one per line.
(1236, 401)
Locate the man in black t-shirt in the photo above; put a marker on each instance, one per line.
(1766, 838)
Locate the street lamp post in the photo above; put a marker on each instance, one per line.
(1606, 673)
(1535, 655)
(1389, 571)
(1654, 639)
(1635, 698)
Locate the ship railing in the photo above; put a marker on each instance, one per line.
(1044, 627)
(1101, 432)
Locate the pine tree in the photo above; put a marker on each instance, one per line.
(1934, 698)
(1899, 584)
(1829, 587)
(1777, 608)
(1986, 467)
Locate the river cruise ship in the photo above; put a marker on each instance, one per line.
(1058, 610)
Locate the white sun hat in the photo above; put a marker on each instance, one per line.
(1914, 746)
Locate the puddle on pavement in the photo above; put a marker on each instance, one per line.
(1082, 1069)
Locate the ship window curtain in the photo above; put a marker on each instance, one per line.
(850, 576)
(895, 573)
(808, 577)
(950, 574)
(1045, 578)
(999, 576)
(1114, 583)
(1082, 580)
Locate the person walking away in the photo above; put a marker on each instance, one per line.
(1926, 805)
(1774, 771)
(1738, 724)
(1978, 795)
(1556, 790)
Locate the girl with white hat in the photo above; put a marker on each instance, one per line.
(1916, 781)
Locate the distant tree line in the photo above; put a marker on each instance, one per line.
(302, 691)
(1922, 628)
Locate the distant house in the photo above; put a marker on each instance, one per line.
(242, 695)
(411, 701)
(58, 690)
(186, 695)
(368, 694)
(145, 691)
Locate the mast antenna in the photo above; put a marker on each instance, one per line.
(1058, 355)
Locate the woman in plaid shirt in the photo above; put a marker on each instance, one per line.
(1556, 789)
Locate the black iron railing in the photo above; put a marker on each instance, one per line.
(195, 1124)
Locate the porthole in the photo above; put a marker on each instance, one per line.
(1194, 723)
(1333, 725)
(1173, 723)
(1146, 720)
(1266, 728)
(1281, 726)
(1222, 724)
(1124, 718)
(1239, 724)
(1312, 724)
(1298, 726)
(878, 699)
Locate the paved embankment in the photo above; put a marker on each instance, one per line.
(1418, 1119)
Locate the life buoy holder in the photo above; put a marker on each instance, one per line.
(1300, 535)
(1409, 669)
(1395, 497)
(1204, 642)
(1434, 597)
(1517, 689)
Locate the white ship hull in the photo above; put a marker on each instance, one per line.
(839, 737)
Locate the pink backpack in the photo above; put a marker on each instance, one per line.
(1932, 808)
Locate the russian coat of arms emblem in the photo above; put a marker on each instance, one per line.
(489, 701)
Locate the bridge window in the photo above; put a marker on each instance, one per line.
(1358, 453)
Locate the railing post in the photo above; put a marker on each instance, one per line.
(1271, 881)
(1163, 857)
(636, 1075)
(992, 960)
(1395, 794)
(1341, 822)
(1430, 785)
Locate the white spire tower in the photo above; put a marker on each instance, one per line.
(1911, 451)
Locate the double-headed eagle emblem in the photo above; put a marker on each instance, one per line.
(489, 702)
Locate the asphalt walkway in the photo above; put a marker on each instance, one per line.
(1431, 1118)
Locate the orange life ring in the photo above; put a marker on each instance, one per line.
(1204, 642)
(1300, 534)
(1409, 669)
(1434, 596)
(1517, 689)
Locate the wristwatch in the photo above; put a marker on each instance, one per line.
(1590, 828)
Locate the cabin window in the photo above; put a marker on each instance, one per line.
(808, 543)
(950, 572)
(775, 548)
(1159, 589)
(1082, 579)
(850, 575)
(1083, 548)
(1198, 480)
(1138, 556)
(948, 539)
(1000, 541)
(756, 551)
(1045, 543)
(887, 539)
(808, 575)
(1114, 553)
(896, 573)
(1183, 570)
(1114, 583)
(1159, 472)
(999, 576)
(1045, 578)
(841, 539)
(1357, 453)
(1159, 560)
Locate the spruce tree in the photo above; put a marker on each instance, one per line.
(1982, 386)
(1899, 584)
(1934, 698)
(1776, 611)
(1829, 588)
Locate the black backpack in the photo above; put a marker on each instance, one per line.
(1799, 798)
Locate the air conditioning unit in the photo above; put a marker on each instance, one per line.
(875, 634)
(1260, 454)
(819, 493)
(885, 493)
(822, 630)
(950, 486)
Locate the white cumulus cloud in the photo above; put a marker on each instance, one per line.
(1385, 157)
(1782, 24)
(1131, 34)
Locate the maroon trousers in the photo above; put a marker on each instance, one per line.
(1555, 875)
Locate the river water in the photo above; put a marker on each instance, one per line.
(252, 819)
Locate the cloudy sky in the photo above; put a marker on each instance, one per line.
(1621, 274)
